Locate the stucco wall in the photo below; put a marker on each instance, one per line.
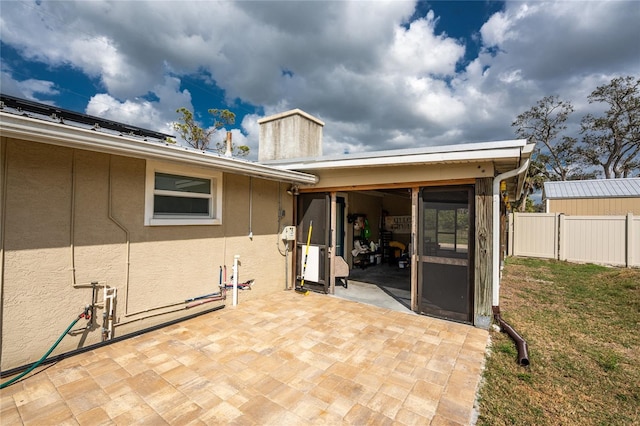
(57, 215)
(405, 175)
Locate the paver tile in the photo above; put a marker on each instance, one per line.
(280, 360)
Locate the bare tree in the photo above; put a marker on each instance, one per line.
(555, 156)
(612, 141)
(199, 138)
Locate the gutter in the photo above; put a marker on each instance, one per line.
(35, 130)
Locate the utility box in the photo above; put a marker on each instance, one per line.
(291, 134)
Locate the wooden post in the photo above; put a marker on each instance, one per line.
(415, 192)
(331, 249)
(630, 246)
(483, 280)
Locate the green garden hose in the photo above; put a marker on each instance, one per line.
(24, 373)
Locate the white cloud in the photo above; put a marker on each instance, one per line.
(377, 80)
(27, 89)
(158, 115)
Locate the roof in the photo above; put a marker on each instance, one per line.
(44, 124)
(434, 154)
(505, 155)
(596, 188)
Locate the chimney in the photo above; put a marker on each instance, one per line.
(291, 134)
(229, 152)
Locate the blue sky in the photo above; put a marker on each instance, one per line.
(381, 75)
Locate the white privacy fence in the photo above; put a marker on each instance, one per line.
(608, 240)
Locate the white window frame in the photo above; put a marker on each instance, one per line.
(215, 196)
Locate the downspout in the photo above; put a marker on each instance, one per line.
(496, 228)
(4, 155)
(127, 237)
(521, 344)
(72, 219)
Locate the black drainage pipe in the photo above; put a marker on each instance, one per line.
(108, 342)
(521, 344)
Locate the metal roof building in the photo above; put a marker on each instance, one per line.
(593, 197)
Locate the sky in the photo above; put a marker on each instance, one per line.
(380, 74)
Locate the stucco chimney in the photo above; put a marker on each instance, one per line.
(290, 134)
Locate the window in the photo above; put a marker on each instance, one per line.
(178, 195)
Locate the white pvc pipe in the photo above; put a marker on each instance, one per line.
(236, 258)
(496, 228)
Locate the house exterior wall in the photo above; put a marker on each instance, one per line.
(403, 175)
(72, 216)
(595, 206)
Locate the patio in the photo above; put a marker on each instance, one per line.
(286, 359)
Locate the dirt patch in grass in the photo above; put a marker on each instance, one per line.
(582, 324)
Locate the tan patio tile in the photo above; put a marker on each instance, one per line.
(140, 417)
(223, 413)
(452, 410)
(421, 406)
(309, 407)
(179, 375)
(147, 383)
(10, 416)
(79, 387)
(285, 396)
(439, 420)
(182, 413)
(117, 389)
(59, 376)
(385, 404)
(36, 413)
(163, 400)
(85, 401)
(261, 409)
(266, 385)
(132, 414)
(341, 406)
(355, 392)
(431, 376)
(281, 360)
(107, 379)
(30, 388)
(96, 416)
(122, 404)
(360, 415)
(408, 417)
(102, 366)
(427, 391)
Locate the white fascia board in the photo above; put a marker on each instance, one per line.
(441, 157)
(72, 137)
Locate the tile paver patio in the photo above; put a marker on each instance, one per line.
(286, 359)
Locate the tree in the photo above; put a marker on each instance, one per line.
(612, 140)
(555, 156)
(199, 138)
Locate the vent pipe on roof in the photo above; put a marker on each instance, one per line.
(228, 152)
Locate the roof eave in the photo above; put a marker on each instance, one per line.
(72, 137)
(430, 158)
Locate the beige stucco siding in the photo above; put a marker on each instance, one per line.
(405, 174)
(595, 206)
(69, 208)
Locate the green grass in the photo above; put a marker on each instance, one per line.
(582, 325)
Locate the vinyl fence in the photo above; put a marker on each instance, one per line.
(607, 240)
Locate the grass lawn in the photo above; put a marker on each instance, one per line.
(582, 325)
